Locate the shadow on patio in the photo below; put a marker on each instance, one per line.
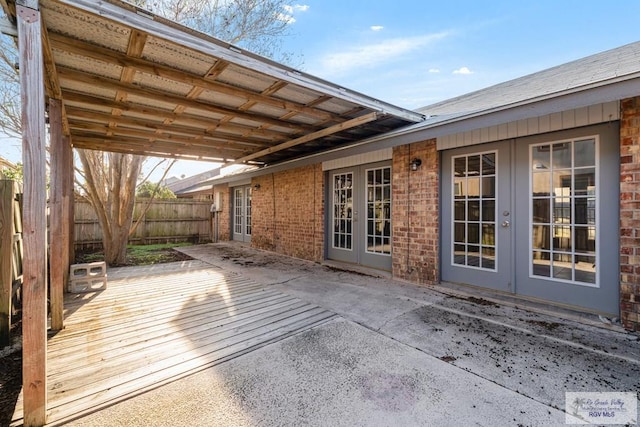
(156, 324)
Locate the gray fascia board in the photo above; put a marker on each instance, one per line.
(177, 33)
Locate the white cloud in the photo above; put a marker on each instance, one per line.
(462, 70)
(296, 8)
(376, 27)
(288, 19)
(434, 70)
(371, 55)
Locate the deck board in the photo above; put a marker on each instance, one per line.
(149, 329)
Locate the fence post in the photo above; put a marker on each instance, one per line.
(7, 196)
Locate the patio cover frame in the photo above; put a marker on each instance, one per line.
(117, 78)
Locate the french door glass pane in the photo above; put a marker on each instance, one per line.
(563, 214)
(247, 218)
(474, 207)
(238, 208)
(378, 190)
(342, 210)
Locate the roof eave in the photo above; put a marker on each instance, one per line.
(618, 89)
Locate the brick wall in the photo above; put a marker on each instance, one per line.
(630, 214)
(288, 213)
(415, 213)
(224, 216)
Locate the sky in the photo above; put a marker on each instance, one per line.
(413, 53)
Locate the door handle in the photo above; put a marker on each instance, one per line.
(506, 223)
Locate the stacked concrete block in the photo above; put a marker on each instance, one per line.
(88, 277)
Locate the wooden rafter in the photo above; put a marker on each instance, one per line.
(155, 113)
(312, 136)
(79, 116)
(102, 130)
(203, 83)
(137, 40)
(156, 148)
(163, 96)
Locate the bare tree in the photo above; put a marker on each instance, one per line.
(256, 25)
(10, 108)
(102, 173)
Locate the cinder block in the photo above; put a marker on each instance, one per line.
(88, 277)
(88, 285)
(87, 270)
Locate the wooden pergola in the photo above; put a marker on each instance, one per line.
(110, 76)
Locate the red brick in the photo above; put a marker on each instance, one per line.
(415, 201)
(629, 217)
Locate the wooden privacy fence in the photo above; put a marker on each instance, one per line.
(10, 255)
(166, 221)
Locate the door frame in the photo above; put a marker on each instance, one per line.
(603, 298)
(358, 254)
(502, 277)
(245, 214)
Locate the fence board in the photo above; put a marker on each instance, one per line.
(10, 256)
(165, 221)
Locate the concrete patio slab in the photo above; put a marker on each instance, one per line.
(338, 374)
(399, 355)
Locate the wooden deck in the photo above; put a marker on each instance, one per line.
(161, 325)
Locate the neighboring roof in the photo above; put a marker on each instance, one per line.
(4, 163)
(204, 186)
(177, 184)
(134, 82)
(603, 68)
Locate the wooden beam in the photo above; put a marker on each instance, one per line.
(124, 148)
(58, 253)
(34, 320)
(81, 130)
(152, 68)
(358, 121)
(163, 96)
(77, 115)
(97, 142)
(159, 113)
(137, 40)
(69, 198)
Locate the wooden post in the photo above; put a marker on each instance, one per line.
(71, 202)
(58, 223)
(7, 194)
(34, 320)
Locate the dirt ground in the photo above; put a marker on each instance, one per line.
(11, 356)
(10, 374)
